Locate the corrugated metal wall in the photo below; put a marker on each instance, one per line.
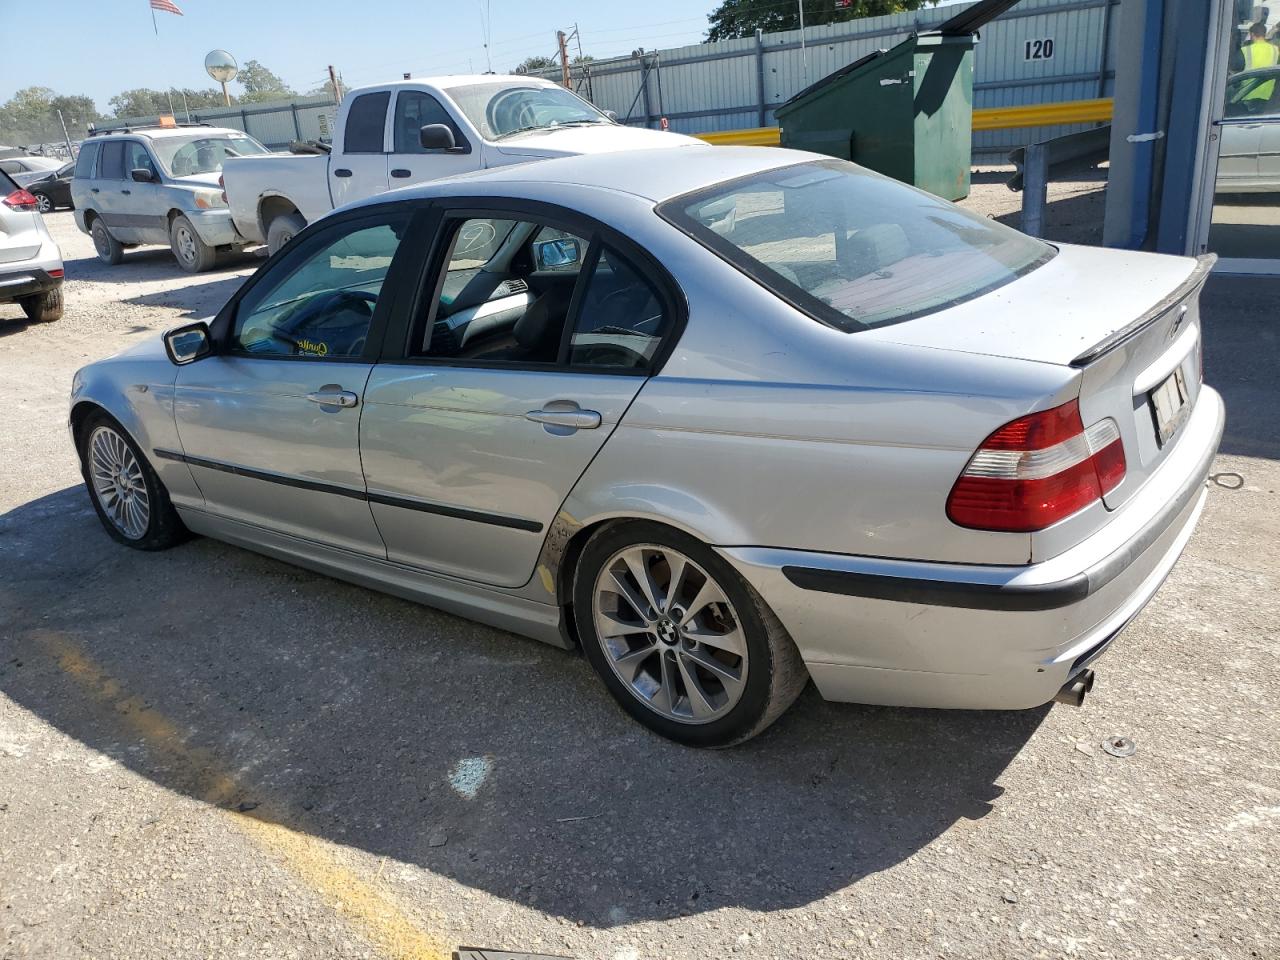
(736, 83)
(274, 124)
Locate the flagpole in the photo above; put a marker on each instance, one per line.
(153, 22)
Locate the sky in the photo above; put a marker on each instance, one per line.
(105, 46)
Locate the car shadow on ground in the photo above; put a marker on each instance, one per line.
(418, 736)
(150, 263)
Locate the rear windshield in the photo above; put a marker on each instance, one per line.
(203, 153)
(7, 186)
(852, 248)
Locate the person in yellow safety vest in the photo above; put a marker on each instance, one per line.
(1259, 53)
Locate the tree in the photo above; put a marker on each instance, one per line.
(534, 65)
(261, 84)
(741, 18)
(31, 116)
(326, 89)
(144, 102)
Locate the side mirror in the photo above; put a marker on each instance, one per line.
(611, 115)
(437, 136)
(142, 175)
(188, 344)
(561, 252)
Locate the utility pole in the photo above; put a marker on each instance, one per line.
(804, 53)
(337, 87)
(66, 136)
(186, 108)
(564, 60)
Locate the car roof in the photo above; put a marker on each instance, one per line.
(459, 80)
(160, 133)
(655, 175)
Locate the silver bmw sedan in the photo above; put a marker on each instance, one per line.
(725, 419)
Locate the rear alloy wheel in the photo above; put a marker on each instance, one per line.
(128, 497)
(43, 307)
(192, 253)
(43, 203)
(108, 247)
(682, 642)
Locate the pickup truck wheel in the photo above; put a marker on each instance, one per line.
(192, 253)
(282, 229)
(107, 247)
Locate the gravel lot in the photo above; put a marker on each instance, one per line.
(205, 753)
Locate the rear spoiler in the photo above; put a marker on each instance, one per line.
(1204, 264)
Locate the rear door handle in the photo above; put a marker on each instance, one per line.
(562, 417)
(342, 172)
(401, 173)
(126, 191)
(334, 398)
(93, 189)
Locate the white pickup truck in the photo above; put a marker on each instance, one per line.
(395, 134)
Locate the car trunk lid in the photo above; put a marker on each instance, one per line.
(1129, 322)
(19, 229)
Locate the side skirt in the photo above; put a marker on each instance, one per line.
(528, 618)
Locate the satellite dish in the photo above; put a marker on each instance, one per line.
(221, 66)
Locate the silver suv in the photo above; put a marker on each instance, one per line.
(159, 185)
(30, 262)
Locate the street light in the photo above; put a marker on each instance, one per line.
(222, 67)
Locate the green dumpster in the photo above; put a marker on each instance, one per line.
(905, 112)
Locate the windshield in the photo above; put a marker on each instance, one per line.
(499, 110)
(188, 156)
(852, 248)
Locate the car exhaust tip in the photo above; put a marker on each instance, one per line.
(1075, 689)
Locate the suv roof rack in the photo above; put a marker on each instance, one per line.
(148, 126)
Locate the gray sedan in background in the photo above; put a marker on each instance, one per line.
(727, 419)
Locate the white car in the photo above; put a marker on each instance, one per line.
(1249, 158)
(396, 134)
(30, 262)
(27, 170)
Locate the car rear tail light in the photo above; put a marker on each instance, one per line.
(21, 199)
(1035, 471)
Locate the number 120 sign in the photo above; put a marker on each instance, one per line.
(1039, 49)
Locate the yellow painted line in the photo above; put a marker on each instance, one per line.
(372, 912)
(992, 118)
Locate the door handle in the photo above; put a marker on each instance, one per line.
(563, 417)
(342, 172)
(93, 189)
(334, 398)
(401, 173)
(126, 191)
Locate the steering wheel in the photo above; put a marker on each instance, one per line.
(311, 317)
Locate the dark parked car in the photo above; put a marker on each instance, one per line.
(54, 191)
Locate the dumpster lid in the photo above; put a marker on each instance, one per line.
(832, 77)
(973, 18)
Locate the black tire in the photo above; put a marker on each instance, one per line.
(43, 307)
(164, 528)
(44, 202)
(774, 678)
(108, 247)
(283, 229)
(191, 252)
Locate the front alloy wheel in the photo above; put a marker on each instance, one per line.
(118, 483)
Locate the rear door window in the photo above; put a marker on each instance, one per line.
(851, 248)
(111, 166)
(621, 322)
(366, 120)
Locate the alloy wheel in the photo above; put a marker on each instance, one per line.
(670, 633)
(101, 242)
(43, 203)
(186, 243)
(118, 483)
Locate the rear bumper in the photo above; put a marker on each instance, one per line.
(910, 633)
(17, 284)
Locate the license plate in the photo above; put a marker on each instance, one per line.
(1169, 405)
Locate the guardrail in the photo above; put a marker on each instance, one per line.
(991, 118)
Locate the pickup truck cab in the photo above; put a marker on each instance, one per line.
(395, 134)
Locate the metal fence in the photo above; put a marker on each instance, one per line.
(1041, 51)
(275, 123)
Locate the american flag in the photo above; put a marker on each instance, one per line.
(166, 6)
